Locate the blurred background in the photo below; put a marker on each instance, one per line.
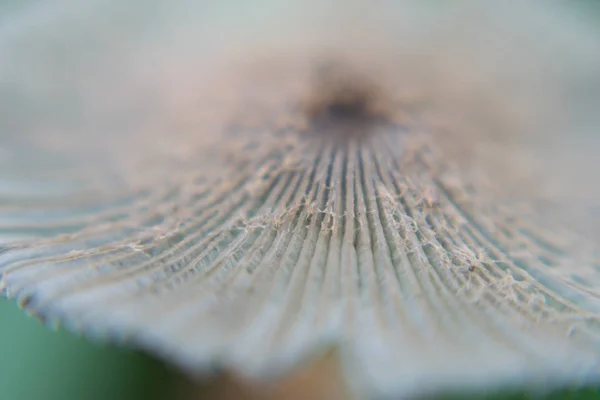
(40, 363)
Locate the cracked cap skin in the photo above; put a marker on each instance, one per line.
(242, 187)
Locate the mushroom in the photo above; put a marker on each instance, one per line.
(243, 186)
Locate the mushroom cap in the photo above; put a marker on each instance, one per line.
(242, 187)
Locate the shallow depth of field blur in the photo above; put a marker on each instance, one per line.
(38, 362)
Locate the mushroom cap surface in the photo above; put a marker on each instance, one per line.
(242, 187)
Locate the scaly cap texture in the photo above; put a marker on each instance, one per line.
(240, 185)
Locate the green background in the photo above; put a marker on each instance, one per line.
(38, 363)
